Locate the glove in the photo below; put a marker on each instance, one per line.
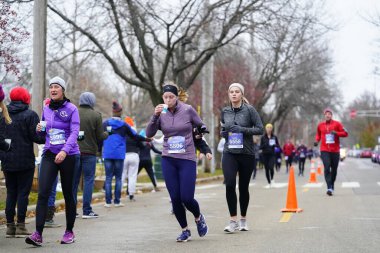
(224, 134)
(236, 129)
(80, 138)
(315, 144)
(333, 132)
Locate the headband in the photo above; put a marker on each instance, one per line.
(170, 88)
(237, 85)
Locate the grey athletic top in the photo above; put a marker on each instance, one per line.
(238, 127)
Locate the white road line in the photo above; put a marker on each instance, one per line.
(350, 185)
(276, 185)
(315, 185)
(279, 185)
(203, 187)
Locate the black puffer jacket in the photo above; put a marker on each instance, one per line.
(22, 133)
(267, 144)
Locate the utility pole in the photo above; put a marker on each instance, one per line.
(39, 54)
(208, 101)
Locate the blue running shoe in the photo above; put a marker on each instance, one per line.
(184, 236)
(202, 226)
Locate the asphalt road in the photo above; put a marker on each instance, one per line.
(347, 222)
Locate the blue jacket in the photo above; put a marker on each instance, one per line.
(114, 146)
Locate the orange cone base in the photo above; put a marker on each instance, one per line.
(291, 210)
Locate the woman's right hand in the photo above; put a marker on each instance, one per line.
(158, 109)
(39, 128)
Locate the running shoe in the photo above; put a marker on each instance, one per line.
(119, 205)
(52, 224)
(232, 227)
(90, 215)
(34, 239)
(202, 226)
(184, 236)
(329, 192)
(243, 225)
(132, 198)
(68, 237)
(107, 205)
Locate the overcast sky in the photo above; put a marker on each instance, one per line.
(353, 46)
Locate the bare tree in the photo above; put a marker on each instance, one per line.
(164, 35)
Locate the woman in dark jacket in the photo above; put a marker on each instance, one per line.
(268, 143)
(19, 162)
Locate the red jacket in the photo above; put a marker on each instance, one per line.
(288, 149)
(324, 129)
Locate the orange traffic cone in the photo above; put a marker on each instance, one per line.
(313, 175)
(291, 200)
(319, 169)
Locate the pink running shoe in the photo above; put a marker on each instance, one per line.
(68, 237)
(34, 239)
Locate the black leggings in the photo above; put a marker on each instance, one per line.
(232, 165)
(269, 161)
(18, 185)
(289, 163)
(301, 166)
(48, 173)
(148, 166)
(330, 162)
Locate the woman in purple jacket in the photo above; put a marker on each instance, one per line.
(61, 131)
(176, 120)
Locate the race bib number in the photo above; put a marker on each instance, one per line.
(57, 136)
(278, 160)
(302, 155)
(286, 158)
(176, 145)
(330, 138)
(235, 140)
(272, 142)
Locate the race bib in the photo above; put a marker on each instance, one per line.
(176, 145)
(272, 142)
(302, 155)
(278, 160)
(57, 136)
(330, 138)
(235, 140)
(286, 158)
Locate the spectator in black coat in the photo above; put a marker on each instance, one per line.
(19, 162)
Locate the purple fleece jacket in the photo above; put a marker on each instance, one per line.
(65, 118)
(179, 123)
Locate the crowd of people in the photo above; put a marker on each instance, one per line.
(73, 136)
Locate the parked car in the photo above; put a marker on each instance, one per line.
(376, 154)
(366, 153)
(355, 153)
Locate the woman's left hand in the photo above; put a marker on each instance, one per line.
(60, 157)
(209, 156)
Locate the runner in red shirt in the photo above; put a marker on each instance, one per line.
(329, 133)
(288, 151)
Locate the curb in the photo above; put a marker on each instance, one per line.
(98, 195)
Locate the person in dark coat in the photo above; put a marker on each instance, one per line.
(19, 162)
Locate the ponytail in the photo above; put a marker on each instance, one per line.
(182, 95)
(5, 113)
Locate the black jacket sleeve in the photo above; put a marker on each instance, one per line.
(33, 121)
(4, 146)
(155, 150)
(201, 145)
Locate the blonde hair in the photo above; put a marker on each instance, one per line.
(182, 95)
(5, 113)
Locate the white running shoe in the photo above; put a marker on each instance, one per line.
(232, 227)
(243, 225)
(107, 205)
(119, 205)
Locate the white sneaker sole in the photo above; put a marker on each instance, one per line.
(229, 231)
(188, 239)
(89, 217)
